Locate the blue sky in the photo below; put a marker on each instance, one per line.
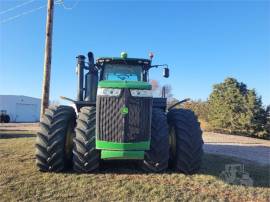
(203, 42)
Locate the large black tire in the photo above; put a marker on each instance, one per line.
(85, 156)
(54, 140)
(186, 149)
(156, 159)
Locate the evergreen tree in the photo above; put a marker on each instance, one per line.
(235, 108)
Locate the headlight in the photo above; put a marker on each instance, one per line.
(108, 91)
(141, 93)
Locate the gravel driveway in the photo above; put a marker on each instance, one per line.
(252, 149)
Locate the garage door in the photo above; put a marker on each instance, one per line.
(26, 113)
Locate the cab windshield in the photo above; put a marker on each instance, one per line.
(122, 72)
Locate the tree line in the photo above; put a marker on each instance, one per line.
(230, 108)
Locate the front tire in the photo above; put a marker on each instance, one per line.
(156, 159)
(53, 149)
(186, 149)
(85, 156)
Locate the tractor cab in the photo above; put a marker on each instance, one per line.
(127, 69)
(123, 68)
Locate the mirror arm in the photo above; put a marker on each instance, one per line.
(156, 66)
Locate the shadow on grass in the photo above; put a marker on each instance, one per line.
(212, 165)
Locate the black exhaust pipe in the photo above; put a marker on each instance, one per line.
(91, 80)
(80, 73)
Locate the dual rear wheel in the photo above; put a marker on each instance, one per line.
(60, 144)
(54, 140)
(176, 142)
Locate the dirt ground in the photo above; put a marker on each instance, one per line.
(19, 127)
(252, 149)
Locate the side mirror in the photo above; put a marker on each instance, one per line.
(166, 72)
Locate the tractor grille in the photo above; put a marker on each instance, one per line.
(114, 126)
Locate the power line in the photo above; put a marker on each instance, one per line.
(67, 7)
(22, 14)
(58, 2)
(15, 7)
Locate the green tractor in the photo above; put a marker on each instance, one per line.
(116, 117)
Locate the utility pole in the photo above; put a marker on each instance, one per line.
(47, 58)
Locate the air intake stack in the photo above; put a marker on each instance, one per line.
(91, 80)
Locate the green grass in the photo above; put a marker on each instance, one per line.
(19, 180)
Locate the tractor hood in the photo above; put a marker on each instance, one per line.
(125, 84)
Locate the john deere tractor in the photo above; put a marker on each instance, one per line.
(114, 117)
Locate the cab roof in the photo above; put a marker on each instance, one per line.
(119, 60)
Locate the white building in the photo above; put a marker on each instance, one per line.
(20, 108)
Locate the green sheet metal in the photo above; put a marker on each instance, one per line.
(109, 154)
(122, 146)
